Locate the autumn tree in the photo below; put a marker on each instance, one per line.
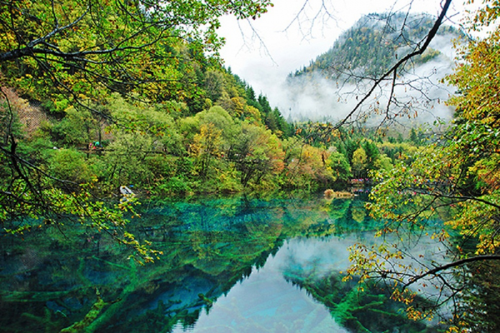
(206, 147)
(359, 160)
(257, 154)
(73, 54)
(455, 180)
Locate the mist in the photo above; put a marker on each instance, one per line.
(418, 97)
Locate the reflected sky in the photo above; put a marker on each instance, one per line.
(230, 265)
(266, 302)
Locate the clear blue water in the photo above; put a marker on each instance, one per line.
(230, 265)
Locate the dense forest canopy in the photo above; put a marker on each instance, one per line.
(68, 58)
(94, 100)
(98, 96)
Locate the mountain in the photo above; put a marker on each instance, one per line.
(375, 43)
(331, 84)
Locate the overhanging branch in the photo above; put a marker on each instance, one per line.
(432, 33)
(457, 263)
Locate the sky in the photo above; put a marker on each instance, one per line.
(264, 51)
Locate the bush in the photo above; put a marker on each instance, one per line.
(69, 164)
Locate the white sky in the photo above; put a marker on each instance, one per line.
(265, 59)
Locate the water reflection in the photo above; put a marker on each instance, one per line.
(230, 265)
(266, 302)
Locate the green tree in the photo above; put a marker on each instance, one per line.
(341, 167)
(222, 121)
(414, 136)
(70, 164)
(125, 159)
(383, 162)
(214, 84)
(456, 180)
(359, 163)
(74, 54)
(372, 154)
(257, 154)
(206, 147)
(73, 46)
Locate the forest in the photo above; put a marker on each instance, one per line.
(197, 128)
(356, 50)
(98, 96)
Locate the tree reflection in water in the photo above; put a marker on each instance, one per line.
(232, 264)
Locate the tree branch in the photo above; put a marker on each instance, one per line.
(30, 47)
(438, 269)
(432, 33)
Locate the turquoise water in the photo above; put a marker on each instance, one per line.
(229, 265)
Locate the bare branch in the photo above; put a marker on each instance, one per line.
(432, 33)
(457, 263)
(322, 13)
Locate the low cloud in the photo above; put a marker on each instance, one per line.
(419, 92)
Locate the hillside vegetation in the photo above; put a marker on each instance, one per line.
(374, 44)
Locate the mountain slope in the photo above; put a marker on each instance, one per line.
(332, 84)
(375, 43)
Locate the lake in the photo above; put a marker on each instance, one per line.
(235, 264)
